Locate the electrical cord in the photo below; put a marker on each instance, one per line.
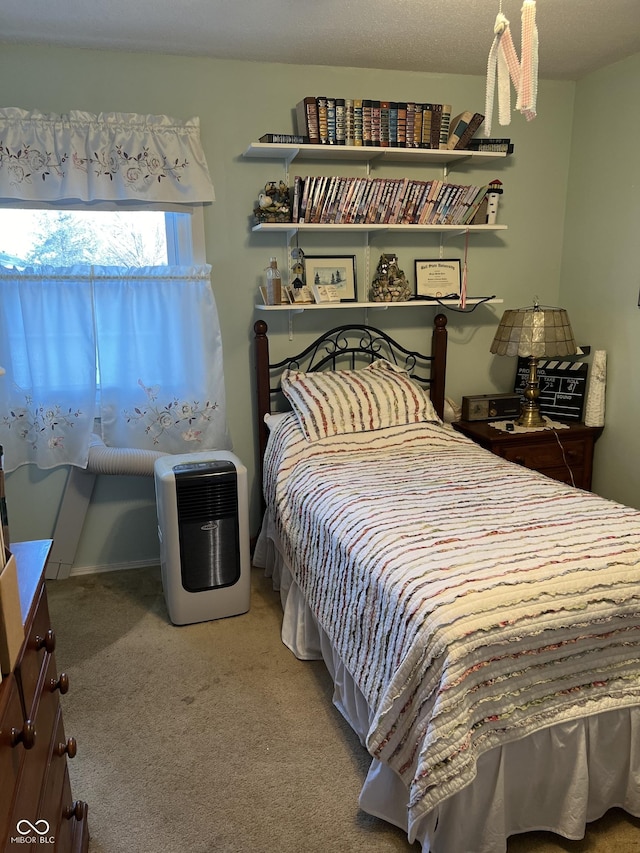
(441, 300)
(555, 432)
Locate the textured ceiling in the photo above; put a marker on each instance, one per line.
(446, 36)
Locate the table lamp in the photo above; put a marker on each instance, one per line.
(534, 333)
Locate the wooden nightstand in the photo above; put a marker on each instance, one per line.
(557, 453)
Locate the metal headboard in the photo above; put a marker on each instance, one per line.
(348, 347)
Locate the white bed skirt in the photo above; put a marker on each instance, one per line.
(558, 779)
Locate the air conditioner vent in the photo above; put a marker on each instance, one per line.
(208, 497)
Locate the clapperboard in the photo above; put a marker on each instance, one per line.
(563, 386)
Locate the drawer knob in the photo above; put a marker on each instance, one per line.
(69, 748)
(26, 735)
(48, 642)
(77, 809)
(62, 684)
(519, 460)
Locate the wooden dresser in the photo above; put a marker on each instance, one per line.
(36, 806)
(563, 454)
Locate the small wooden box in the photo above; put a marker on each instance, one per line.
(11, 627)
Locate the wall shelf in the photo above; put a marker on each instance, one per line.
(291, 310)
(379, 306)
(365, 154)
(293, 227)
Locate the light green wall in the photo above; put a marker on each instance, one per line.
(601, 260)
(236, 103)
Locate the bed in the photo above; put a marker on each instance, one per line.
(480, 621)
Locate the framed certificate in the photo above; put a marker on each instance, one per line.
(437, 278)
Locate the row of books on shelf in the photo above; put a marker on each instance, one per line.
(501, 145)
(393, 124)
(390, 201)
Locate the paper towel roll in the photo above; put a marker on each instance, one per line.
(594, 410)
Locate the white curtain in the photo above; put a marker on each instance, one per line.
(160, 369)
(47, 396)
(104, 157)
(160, 359)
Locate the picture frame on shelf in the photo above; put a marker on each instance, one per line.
(336, 271)
(438, 277)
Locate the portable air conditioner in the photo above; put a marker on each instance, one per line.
(203, 527)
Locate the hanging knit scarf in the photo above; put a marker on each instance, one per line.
(503, 64)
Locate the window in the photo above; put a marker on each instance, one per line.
(114, 287)
(108, 234)
(63, 237)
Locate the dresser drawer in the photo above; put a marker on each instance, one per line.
(35, 793)
(35, 762)
(40, 641)
(65, 827)
(11, 753)
(73, 829)
(56, 798)
(547, 455)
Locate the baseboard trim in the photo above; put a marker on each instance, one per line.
(113, 567)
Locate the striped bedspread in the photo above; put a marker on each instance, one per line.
(472, 601)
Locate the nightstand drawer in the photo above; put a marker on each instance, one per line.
(573, 477)
(547, 455)
(565, 454)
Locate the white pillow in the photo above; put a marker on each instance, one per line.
(272, 420)
(346, 401)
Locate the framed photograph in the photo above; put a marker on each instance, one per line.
(335, 271)
(438, 278)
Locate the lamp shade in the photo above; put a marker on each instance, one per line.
(534, 331)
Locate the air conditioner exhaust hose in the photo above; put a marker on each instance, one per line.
(120, 460)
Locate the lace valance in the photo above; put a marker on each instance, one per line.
(104, 157)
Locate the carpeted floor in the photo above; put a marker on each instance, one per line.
(213, 738)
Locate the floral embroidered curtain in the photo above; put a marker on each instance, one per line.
(47, 395)
(104, 157)
(160, 359)
(159, 367)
